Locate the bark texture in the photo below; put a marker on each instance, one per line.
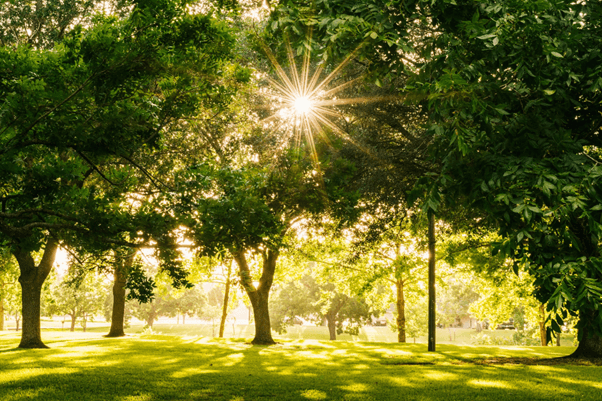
(118, 314)
(401, 312)
(259, 296)
(31, 279)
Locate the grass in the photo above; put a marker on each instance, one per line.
(86, 366)
(367, 333)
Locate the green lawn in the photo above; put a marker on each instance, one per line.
(367, 333)
(86, 366)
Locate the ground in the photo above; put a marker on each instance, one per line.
(86, 366)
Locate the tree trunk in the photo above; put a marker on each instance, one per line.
(542, 326)
(1, 308)
(73, 318)
(259, 296)
(332, 327)
(183, 318)
(222, 323)
(118, 313)
(31, 279)
(432, 311)
(590, 346)
(401, 312)
(17, 320)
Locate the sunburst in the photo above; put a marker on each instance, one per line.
(305, 105)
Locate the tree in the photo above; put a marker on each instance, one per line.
(9, 291)
(392, 253)
(121, 270)
(511, 89)
(79, 297)
(251, 211)
(76, 118)
(8, 281)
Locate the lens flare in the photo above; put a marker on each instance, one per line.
(302, 105)
(305, 106)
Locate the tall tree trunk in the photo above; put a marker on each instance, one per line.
(259, 296)
(119, 280)
(542, 326)
(222, 323)
(401, 312)
(432, 312)
(73, 318)
(332, 327)
(31, 279)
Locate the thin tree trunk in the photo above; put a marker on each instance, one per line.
(119, 280)
(17, 320)
(401, 312)
(73, 318)
(31, 279)
(259, 296)
(1, 307)
(222, 323)
(542, 326)
(432, 311)
(183, 318)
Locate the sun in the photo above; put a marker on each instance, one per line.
(305, 103)
(302, 105)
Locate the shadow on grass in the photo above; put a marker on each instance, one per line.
(158, 367)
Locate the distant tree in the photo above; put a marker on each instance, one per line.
(183, 302)
(8, 283)
(79, 297)
(454, 296)
(321, 303)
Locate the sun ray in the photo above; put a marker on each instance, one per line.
(305, 104)
(337, 69)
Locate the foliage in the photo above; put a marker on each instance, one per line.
(79, 297)
(512, 90)
(78, 118)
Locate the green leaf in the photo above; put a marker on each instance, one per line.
(549, 92)
(556, 54)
